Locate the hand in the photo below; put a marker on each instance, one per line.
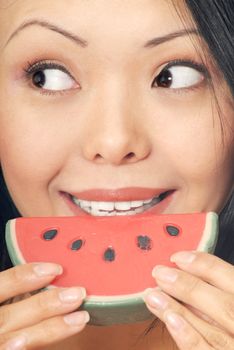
(196, 301)
(41, 319)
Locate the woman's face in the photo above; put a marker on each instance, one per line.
(107, 107)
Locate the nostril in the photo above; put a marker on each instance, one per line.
(98, 157)
(130, 155)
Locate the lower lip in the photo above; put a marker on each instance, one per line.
(159, 208)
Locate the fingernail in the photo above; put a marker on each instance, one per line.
(183, 257)
(47, 269)
(77, 318)
(174, 321)
(18, 343)
(164, 274)
(72, 295)
(156, 300)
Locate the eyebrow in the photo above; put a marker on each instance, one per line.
(162, 39)
(41, 23)
(83, 43)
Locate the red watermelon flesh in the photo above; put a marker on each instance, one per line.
(112, 257)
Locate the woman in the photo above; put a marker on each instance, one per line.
(141, 95)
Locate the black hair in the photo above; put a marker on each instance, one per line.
(7, 211)
(214, 20)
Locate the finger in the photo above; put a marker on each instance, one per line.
(201, 315)
(46, 333)
(170, 312)
(184, 335)
(189, 331)
(40, 307)
(216, 304)
(207, 267)
(26, 278)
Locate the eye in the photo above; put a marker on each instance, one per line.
(50, 76)
(180, 75)
(52, 79)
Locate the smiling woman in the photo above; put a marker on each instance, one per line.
(109, 109)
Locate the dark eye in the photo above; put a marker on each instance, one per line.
(178, 77)
(52, 79)
(49, 76)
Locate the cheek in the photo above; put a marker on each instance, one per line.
(195, 144)
(30, 156)
(30, 149)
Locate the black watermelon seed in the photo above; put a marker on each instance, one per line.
(50, 234)
(76, 245)
(144, 242)
(109, 254)
(172, 230)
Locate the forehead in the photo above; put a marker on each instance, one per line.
(116, 17)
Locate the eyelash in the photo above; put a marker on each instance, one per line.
(33, 67)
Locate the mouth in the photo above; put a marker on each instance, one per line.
(156, 203)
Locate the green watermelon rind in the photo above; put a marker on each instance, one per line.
(210, 234)
(108, 310)
(12, 244)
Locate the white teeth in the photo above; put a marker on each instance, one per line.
(148, 201)
(95, 212)
(135, 204)
(82, 204)
(108, 206)
(123, 205)
(96, 208)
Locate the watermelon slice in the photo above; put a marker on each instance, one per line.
(112, 257)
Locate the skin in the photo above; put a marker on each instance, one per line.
(113, 124)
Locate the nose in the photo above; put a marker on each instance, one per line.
(115, 145)
(115, 133)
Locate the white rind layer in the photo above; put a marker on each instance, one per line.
(210, 234)
(18, 258)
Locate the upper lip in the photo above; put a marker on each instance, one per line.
(121, 194)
